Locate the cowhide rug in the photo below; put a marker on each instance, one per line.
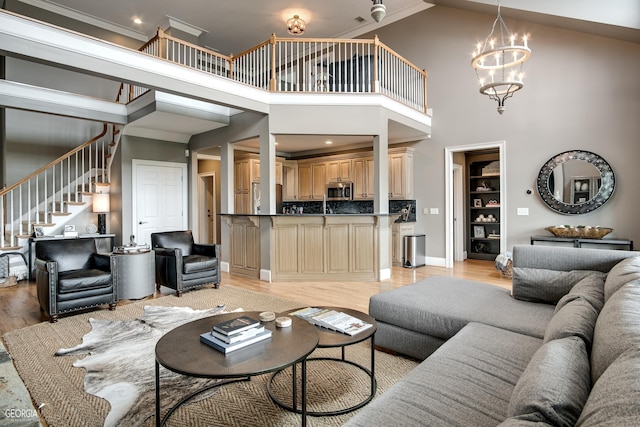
(121, 362)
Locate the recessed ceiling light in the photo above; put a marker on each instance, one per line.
(328, 142)
(137, 21)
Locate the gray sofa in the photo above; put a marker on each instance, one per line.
(561, 348)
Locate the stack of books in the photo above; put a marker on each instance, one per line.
(234, 334)
(334, 320)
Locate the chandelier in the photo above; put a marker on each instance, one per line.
(498, 63)
(296, 26)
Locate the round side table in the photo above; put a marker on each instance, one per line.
(134, 273)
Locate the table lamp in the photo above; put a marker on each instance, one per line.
(101, 207)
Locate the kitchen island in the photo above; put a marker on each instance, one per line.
(310, 246)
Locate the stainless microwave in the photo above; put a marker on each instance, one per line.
(341, 190)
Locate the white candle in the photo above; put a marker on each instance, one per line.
(524, 39)
(513, 38)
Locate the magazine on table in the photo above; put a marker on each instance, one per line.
(332, 319)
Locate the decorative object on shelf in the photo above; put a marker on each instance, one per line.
(70, 231)
(92, 229)
(492, 203)
(579, 231)
(552, 181)
(492, 169)
(478, 232)
(101, 207)
(491, 218)
(296, 26)
(480, 218)
(499, 68)
(481, 248)
(378, 10)
(477, 203)
(38, 232)
(484, 187)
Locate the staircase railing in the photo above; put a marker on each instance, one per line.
(38, 197)
(302, 66)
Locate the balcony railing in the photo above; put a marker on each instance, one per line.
(295, 65)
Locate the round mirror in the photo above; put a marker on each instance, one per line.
(575, 182)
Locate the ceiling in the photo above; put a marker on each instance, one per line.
(231, 27)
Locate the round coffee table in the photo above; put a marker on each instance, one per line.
(181, 351)
(333, 339)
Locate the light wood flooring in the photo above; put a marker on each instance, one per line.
(19, 304)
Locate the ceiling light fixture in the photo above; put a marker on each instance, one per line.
(296, 26)
(499, 68)
(378, 10)
(137, 21)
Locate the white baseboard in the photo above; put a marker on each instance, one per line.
(385, 274)
(224, 266)
(265, 275)
(438, 262)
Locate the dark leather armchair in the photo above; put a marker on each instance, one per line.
(71, 276)
(182, 264)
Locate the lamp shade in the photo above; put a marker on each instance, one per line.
(101, 202)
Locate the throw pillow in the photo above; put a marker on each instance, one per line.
(546, 286)
(614, 398)
(591, 288)
(617, 329)
(623, 272)
(575, 319)
(555, 384)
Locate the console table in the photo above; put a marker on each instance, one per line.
(579, 241)
(111, 237)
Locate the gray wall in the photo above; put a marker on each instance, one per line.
(581, 92)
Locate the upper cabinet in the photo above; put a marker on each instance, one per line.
(339, 170)
(363, 178)
(307, 179)
(401, 173)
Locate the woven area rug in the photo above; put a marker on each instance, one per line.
(54, 382)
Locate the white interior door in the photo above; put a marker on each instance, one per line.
(159, 199)
(458, 214)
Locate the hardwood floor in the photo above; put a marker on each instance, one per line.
(19, 304)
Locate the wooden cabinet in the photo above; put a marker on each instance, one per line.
(363, 178)
(339, 170)
(246, 171)
(398, 231)
(289, 181)
(312, 180)
(312, 247)
(401, 174)
(244, 236)
(483, 212)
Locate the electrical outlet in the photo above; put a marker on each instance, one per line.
(523, 211)
(434, 211)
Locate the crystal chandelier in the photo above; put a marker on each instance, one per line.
(498, 63)
(296, 26)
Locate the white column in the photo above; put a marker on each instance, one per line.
(227, 204)
(268, 173)
(381, 200)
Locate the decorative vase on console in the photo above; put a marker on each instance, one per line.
(578, 185)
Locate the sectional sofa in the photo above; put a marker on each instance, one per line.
(561, 348)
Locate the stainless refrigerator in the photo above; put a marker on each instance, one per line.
(255, 191)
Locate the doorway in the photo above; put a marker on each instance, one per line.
(207, 218)
(452, 193)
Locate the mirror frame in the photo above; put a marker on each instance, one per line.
(607, 185)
